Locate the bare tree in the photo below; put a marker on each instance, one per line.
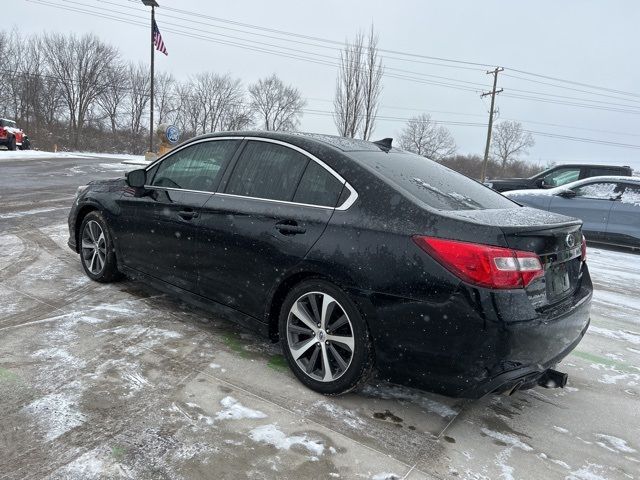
(79, 63)
(358, 87)
(111, 100)
(510, 141)
(238, 116)
(347, 103)
(164, 97)
(372, 84)
(276, 105)
(424, 137)
(139, 83)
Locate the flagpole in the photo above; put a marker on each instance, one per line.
(153, 19)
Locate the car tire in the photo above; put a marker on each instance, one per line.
(341, 345)
(97, 253)
(11, 145)
(26, 144)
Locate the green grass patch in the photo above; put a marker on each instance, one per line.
(234, 343)
(618, 365)
(278, 363)
(7, 375)
(118, 452)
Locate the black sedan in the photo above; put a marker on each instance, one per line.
(355, 255)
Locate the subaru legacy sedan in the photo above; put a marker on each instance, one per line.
(356, 256)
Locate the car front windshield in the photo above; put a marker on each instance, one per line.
(433, 184)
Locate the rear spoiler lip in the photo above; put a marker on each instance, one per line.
(549, 228)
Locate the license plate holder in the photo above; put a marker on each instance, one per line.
(559, 281)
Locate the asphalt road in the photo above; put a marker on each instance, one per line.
(119, 381)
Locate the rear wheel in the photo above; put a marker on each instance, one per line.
(12, 143)
(96, 249)
(325, 339)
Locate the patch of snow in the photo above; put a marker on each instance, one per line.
(395, 392)
(561, 463)
(614, 444)
(511, 440)
(586, 473)
(560, 429)
(386, 476)
(234, 410)
(342, 414)
(57, 413)
(61, 355)
(627, 336)
(501, 462)
(271, 435)
(86, 466)
(35, 211)
(35, 154)
(214, 365)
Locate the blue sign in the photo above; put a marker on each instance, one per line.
(173, 134)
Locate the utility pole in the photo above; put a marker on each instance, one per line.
(153, 4)
(493, 93)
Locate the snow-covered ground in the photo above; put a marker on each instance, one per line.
(35, 154)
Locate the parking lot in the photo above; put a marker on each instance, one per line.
(120, 381)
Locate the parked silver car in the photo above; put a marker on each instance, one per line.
(608, 206)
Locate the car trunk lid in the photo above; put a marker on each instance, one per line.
(555, 238)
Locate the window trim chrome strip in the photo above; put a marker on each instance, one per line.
(351, 199)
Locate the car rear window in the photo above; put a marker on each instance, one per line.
(318, 187)
(436, 185)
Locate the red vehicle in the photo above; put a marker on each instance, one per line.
(11, 136)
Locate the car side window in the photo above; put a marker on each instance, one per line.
(196, 167)
(267, 170)
(600, 172)
(318, 187)
(598, 191)
(631, 195)
(561, 177)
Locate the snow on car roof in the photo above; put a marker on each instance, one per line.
(577, 183)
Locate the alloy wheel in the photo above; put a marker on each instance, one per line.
(320, 336)
(94, 247)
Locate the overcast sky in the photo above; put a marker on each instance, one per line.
(590, 42)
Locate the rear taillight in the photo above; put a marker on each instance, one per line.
(583, 250)
(483, 265)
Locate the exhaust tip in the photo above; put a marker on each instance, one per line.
(553, 379)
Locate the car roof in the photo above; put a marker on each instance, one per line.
(340, 143)
(609, 178)
(596, 165)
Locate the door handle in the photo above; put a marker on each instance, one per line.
(290, 228)
(188, 214)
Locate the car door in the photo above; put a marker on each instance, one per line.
(160, 224)
(624, 219)
(270, 211)
(591, 204)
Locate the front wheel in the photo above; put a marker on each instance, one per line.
(96, 249)
(325, 339)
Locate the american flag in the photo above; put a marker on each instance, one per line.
(157, 39)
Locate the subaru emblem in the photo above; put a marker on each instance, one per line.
(570, 241)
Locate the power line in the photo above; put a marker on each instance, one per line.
(256, 48)
(402, 76)
(409, 54)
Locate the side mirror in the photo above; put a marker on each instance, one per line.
(137, 178)
(566, 193)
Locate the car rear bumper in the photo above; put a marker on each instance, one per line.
(477, 342)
